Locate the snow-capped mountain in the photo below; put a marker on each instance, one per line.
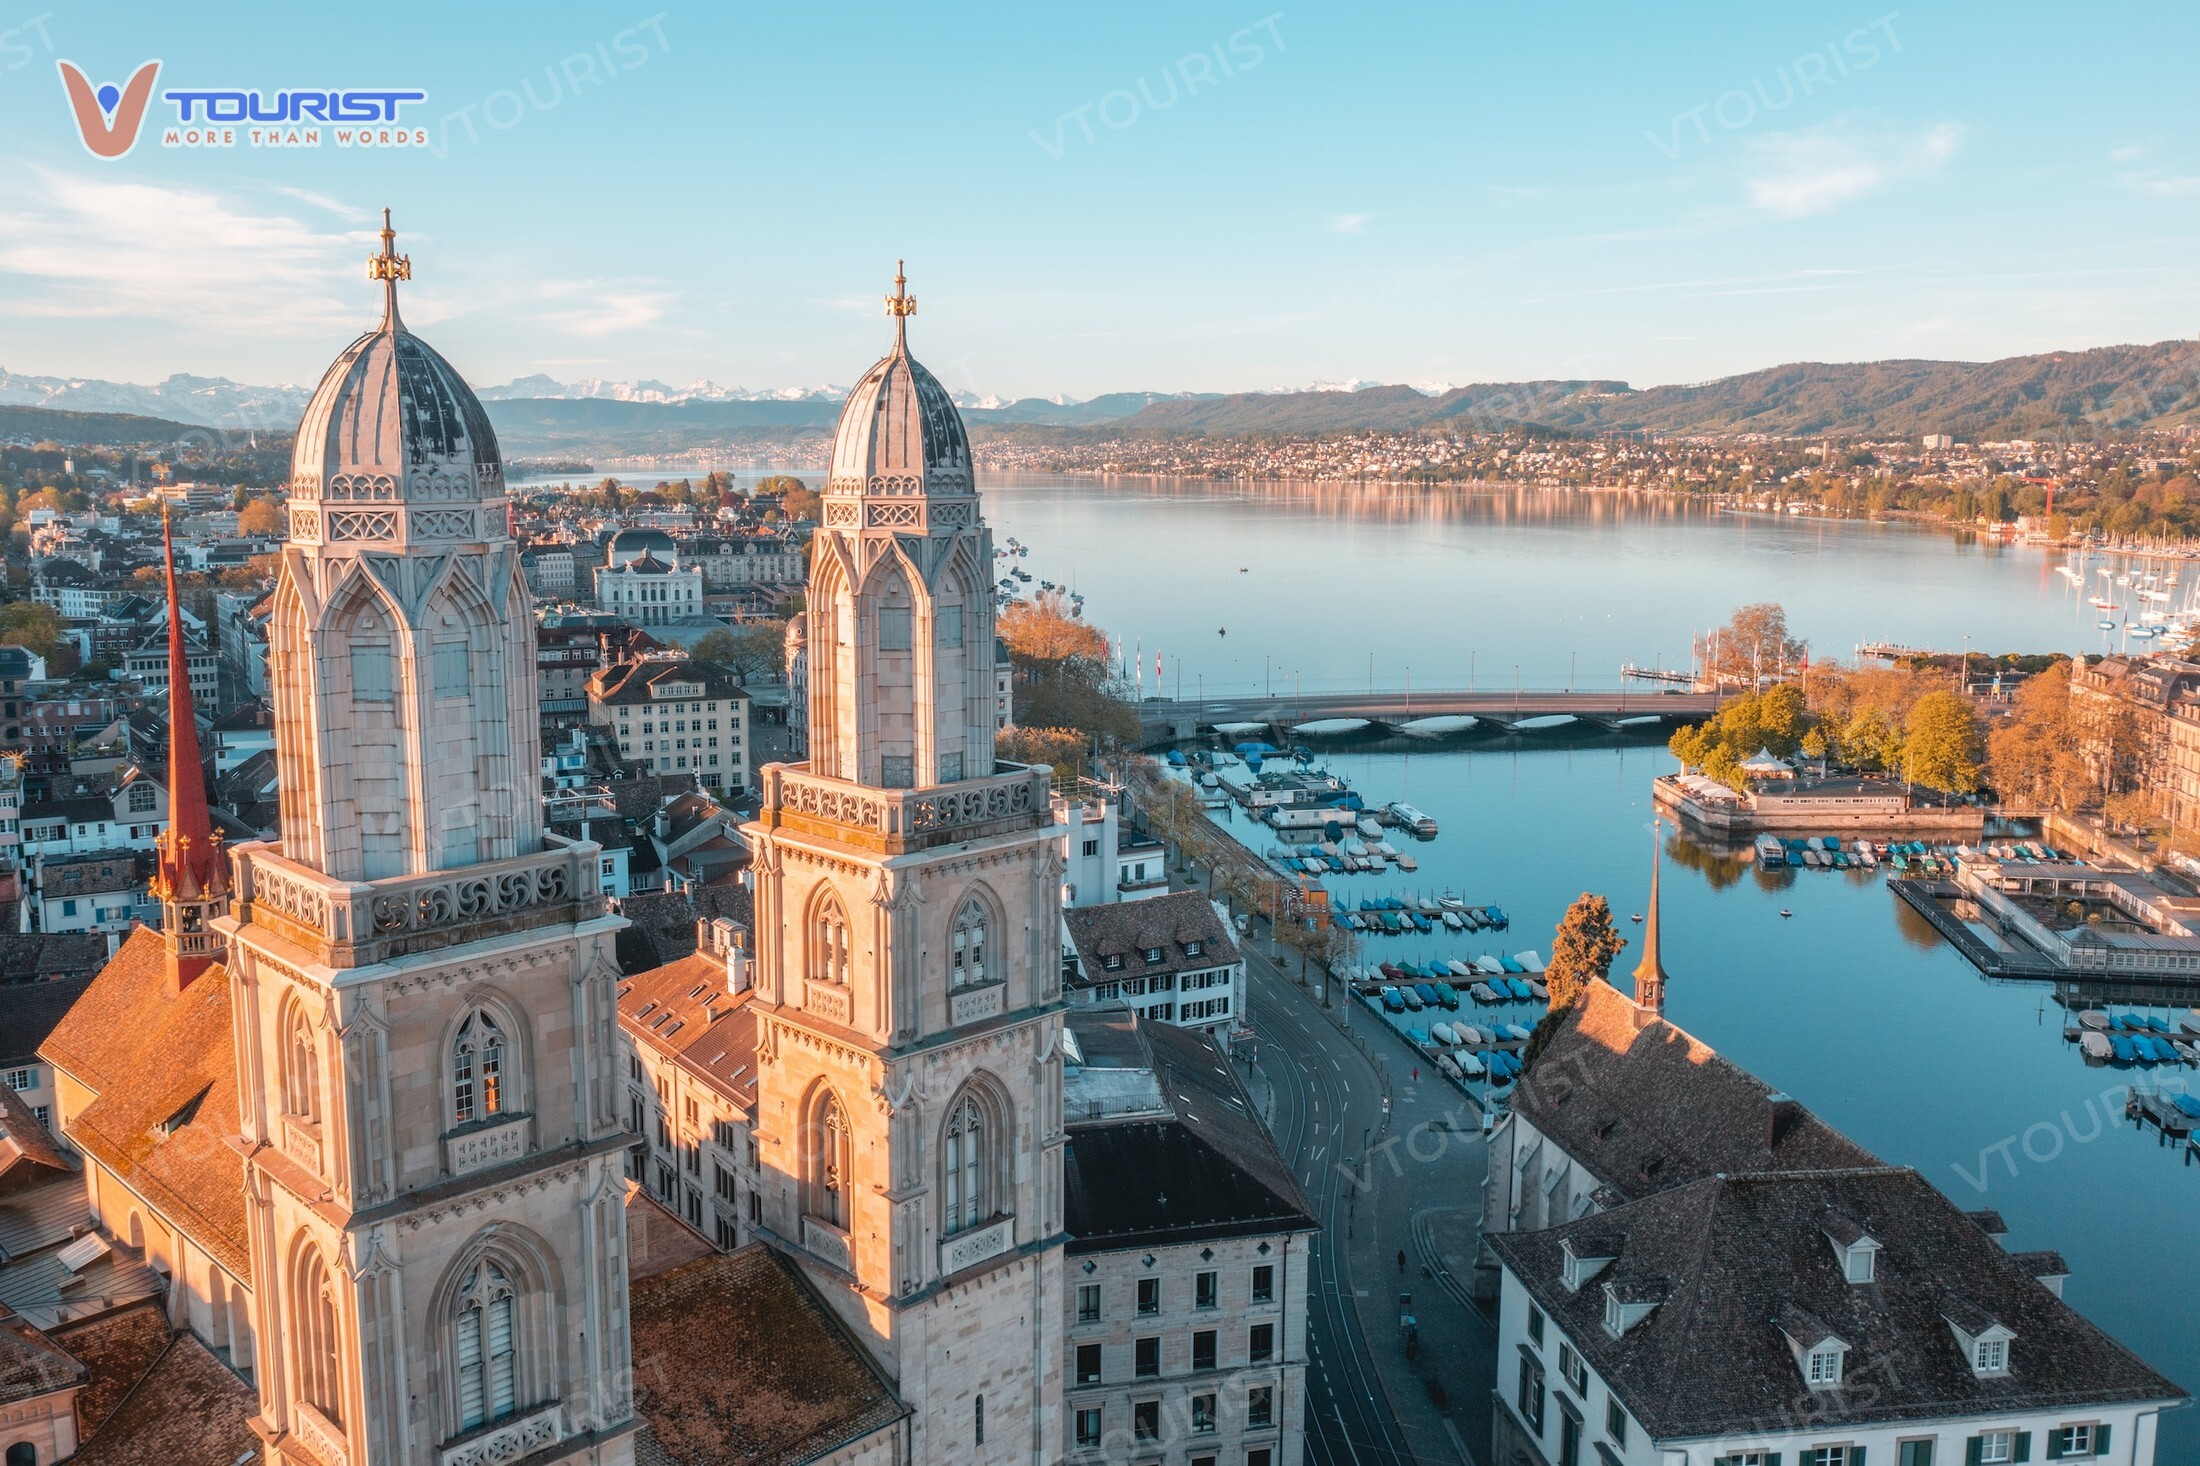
(207, 401)
(597, 389)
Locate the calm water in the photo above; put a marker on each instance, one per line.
(1851, 1005)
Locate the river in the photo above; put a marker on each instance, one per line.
(1851, 1004)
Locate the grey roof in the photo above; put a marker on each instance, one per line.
(1743, 1267)
(29, 1010)
(1129, 929)
(900, 424)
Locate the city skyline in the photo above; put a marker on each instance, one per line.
(1340, 197)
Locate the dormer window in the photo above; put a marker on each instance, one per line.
(1990, 1356)
(1984, 1342)
(1113, 962)
(1855, 1249)
(1581, 1260)
(1822, 1367)
(1153, 955)
(1820, 1354)
(1859, 1264)
(1194, 947)
(1614, 1324)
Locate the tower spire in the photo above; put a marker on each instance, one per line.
(193, 879)
(1650, 971)
(901, 305)
(389, 267)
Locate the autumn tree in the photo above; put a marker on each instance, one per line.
(260, 519)
(2033, 757)
(1581, 953)
(1755, 645)
(1063, 679)
(37, 628)
(1942, 747)
(1068, 751)
(1048, 629)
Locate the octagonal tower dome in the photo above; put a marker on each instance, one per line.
(395, 448)
(900, 434)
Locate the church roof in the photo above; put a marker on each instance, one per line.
(782, 1381)
(31, 1364)
(389, 408)
(899, 430)
(189, 1409)
(162, 1068)
(1645, 1105)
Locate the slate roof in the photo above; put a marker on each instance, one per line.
(1206, 1169)
(683, 1010)
(31, 1364)
(1743, 1263)
(1645, 1105)
(189, 1409)
(29, 1010)
(663, 927)
(737, 1362)
(117, 1348)
(28, 1152)
(1129, 929)
(151, 1059)
(630, 682)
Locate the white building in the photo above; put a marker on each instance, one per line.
(676, 716)
(650, 592)
(1169, 959)
(1102, 860)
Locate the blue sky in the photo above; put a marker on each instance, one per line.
(1094, 198)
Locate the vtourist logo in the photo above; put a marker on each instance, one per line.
(109, 118)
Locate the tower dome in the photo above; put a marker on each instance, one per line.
(900, 435)
(394, 447)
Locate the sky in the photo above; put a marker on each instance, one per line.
(1210, 197)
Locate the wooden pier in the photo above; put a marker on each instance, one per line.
(2143, 1109)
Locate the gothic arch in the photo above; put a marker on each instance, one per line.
(828, 1156)
(494, 1321)
(485, 1054)
(301, 1060)
(315, 1310)
(977, 1141)
(975, 938)
(828, 941)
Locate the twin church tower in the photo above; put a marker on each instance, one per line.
(422, 985)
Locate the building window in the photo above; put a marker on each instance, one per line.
(142, 798)
(896, 770)
(1260, 1405)
(1264, 1283)
(721, 1182)
(1535, 1324)
(1203, 1414)
(1261, 1456)
(1990, 1356)
(978, 1418)
(1571, 1369)
(1088, 1364)
(1261, 1346)
(1088, 1428)
(1615, 1423)
(1203, 1349)
(370, 672)
(1823, 1366)
(1092, 848)
(314, 1311)
(301, 1067)
(1146, 1420)
(1149, 1295)
(967, 967)
(488, 1351)
(1569, 1435)
(1153, 955)
(1146, 1358)
(477, 1070)
(1994, 1448)
(1088, 1302)
(22, 1079)
(1530, 1399)
(965, 1154)
(829, 1163)
(2077, 1440)
(1920, 1453)
(1839, 1456)
(1204, 1290)
(828, 954)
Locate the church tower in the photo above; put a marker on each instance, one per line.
(909, 994)
(192, 879)
(1650, 971)
(423, 981)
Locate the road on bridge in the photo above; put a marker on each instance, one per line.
(1161, 715)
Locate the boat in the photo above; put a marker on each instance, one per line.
(2094, 1018)
(1511, 964)
(1452, 903)
(1418, 1037)
(1471, 1066)
(2094, 1044)
(1444, 1035)
(1412, 819)
(1447, 1068)
(1460, 968)
(1785, 912)
(1427, 905)
(1482, 993)
(2185, 1051)
(1488, 966)
(1392, 1003)
(1369, 826)
(1538, 991)
(1420, 922)
(1518, 1032)
(1495, 919)
(1445, 992)
(1408, 863)
(1532, 961)
(2120, 1048)
(1771, 854)
(1469, 1034)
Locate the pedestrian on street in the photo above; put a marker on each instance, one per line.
(1401, 1259)
(1416, 1073)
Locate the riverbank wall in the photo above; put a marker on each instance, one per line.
(1741, 817)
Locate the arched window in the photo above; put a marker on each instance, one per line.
(830, 1199)
(967, 961)
(828, 943)
(966, 1154)
(22, 1453)
(313, 1307)
(487, 1349)
(477, 1070)
(301, 1066)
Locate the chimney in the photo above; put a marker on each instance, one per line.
(733, 945)
(1781, 1114)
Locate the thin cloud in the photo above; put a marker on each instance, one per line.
(1349, 223)
(1793, 175)
(347, 212)
(611, 311)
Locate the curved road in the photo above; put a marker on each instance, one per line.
(1328, 1098)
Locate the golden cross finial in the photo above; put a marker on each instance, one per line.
(389, 264)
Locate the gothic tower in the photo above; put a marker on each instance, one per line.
(423, 980)
(909, 992)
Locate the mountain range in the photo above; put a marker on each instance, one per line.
(2083, 394)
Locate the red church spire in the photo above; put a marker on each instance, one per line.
(193, 883)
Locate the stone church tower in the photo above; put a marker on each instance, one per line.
(423, 981)
(909, 1002)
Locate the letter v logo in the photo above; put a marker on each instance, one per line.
(108, 118)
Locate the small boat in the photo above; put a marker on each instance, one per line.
(2185, 1051)
(1369, 826)
(1452, 903)
(2094, 1018)
(1417, 1037)
(1447, 1068)
(1420, 922)
(1469, 1034)
(1511, 964)
(1454, 922)
(2157, 1022)
(1488, 966)
(1444, 1035)
(1408, 863)
(1785, 912)
(2094, 1044)
(1481, 993)
(1427, 906)
(1495, 919)
(1636, 917)
(1538, 991)
(2121, 1047)
(1517, 1032)
(1460, 968)
(1532, 961)
(1445, 992)
(1471, 1066)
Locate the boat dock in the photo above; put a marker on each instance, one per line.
(2161, 1111)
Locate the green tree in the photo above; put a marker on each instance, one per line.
(1581, 953)
(754, 653)
(38, 628)
(1942, 745)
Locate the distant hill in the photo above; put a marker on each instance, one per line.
(2080, 393)
(93, 429)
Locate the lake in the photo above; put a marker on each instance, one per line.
(1852, 1004)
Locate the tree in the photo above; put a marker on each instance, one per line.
(1067, 750)
(1062, 672)
(1582, 951)
(1755, 644)
(38, 628)
(1047, 629)
(2033, 757)
(754, 653)
(260, 519)
(1942, 746)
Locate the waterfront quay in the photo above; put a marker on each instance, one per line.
(1847, 806)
